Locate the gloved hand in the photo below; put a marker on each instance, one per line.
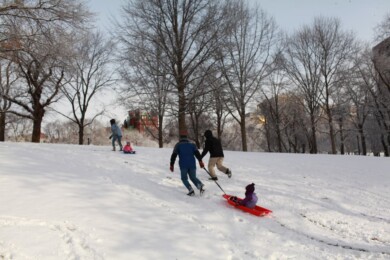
(171, 168)
(201, 164)
(110, 137)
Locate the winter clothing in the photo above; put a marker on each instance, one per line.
(214, 146)
(216, 161)
(116, 134)
(190, 172)
(187, 152)
(250, 199)
(201, 164)
(250, 188)
(183, 133)
(127, 148)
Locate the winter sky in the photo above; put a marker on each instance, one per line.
(360, 16)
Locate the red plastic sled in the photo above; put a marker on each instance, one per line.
(257, 211)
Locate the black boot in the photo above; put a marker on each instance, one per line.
(201, 190)
(229, 173)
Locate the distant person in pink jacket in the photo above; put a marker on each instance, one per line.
(127, 148)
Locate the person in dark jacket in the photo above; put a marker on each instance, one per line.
(250, 199)
(214, 146)
(187, 152)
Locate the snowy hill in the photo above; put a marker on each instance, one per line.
(87, 202)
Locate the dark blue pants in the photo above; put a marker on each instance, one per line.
(191, 172)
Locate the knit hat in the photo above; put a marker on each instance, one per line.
(208, 133)
(112, 121)
(250, 188)
(183, 133)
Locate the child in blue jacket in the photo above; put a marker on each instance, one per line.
(116, 134)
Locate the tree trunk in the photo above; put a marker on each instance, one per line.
(385, 146)
(268, 138)
(279, 135)
(2, 126)
(36, 134)
(330, 123)
(243, 133)
(313, 141)
(196, 131)
(358, 144)
(81, 135)
(342, 139)
(37, 123)
(219, 127)
(332, 135)
(160, 131)
(182, 106)
(362, 140)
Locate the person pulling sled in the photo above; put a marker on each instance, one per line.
(214, 146)
(187, 152)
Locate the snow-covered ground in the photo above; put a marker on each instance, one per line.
(88, 202)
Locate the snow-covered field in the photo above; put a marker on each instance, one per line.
(87, 202)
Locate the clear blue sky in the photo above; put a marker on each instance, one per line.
(360, 16)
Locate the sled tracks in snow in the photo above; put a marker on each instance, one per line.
(66, 239)
(328, 242)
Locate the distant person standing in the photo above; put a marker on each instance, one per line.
(187, 152)
(116, 135)
(214, 146)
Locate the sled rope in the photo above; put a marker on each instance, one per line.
(215, 181)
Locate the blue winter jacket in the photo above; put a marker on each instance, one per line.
(187, 152)
(116, 131)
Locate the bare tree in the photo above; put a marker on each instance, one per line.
(275, 101)
(303, 66)
(360, 89)
(42, 13)
(91, 74)
(184, 31)
(246, 58)
(19, 127)
(296, 125)
(198, 108)
(41, 30)
(217, 99)
(382, 30)
(43, 74)
(381, 63)
(147, 81)
(335, 48)
(8, 78)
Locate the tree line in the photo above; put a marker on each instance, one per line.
(197, 65)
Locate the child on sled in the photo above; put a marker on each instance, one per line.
(127, 148)
(250, 199)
